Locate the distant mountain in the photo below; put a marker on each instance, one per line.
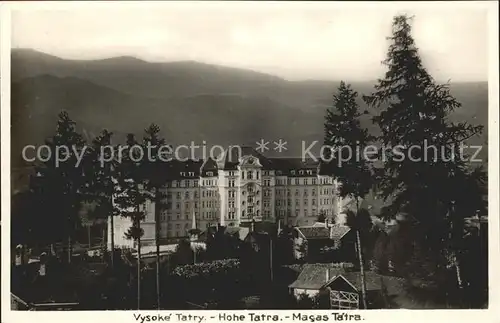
(190, 101)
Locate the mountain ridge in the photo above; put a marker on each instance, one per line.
(190, 101)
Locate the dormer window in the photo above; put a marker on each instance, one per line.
(309, 172)
(301, 172)
(183, 173)
(292, 172)
(210, 174)
(191, 173)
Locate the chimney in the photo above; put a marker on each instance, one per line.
(252, 226)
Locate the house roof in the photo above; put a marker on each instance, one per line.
(374, 281)
(339, 231)
(335, 232)
(314, 232)
(313, 276)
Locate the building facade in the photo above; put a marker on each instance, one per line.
(241, 186)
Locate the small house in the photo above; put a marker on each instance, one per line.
(344, 286)
(324, 243)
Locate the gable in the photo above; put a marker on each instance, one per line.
(340, 283)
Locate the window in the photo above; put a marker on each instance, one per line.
(292, 172)
(297, 181)
(183, 174)
(187, 195)
(301, 172)
(178, 195)
(314, 181)
(210, 174)
(191, 173)
(257, 175)
(249, 175)
(313, 201)
(305, 181)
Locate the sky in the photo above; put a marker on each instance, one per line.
(296, 41)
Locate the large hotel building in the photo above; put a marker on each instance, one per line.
(244, 186)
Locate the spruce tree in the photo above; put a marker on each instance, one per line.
(62, 181)
(347, 162)
(424, 182)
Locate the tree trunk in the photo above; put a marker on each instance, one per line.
(157, 239)
(271, 258)
(362, 270)
(112, 238)
(361, 263)
(70, 249)
(88, 233)
(139, 270)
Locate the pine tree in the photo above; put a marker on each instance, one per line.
(129, 198)
(153, 170)
(62, 182)
(414, 111)
(347, 163)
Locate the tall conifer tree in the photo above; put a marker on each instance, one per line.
(63, 181)
(425, 182)
(348, 163)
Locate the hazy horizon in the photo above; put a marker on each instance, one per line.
(314, 42)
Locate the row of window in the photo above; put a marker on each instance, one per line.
(188, 195)
(250, 176)
(205, 215)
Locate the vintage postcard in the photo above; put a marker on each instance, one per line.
(249, 161)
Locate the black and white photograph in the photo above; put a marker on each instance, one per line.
(314, 157)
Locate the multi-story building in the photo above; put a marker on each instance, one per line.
(241, 186)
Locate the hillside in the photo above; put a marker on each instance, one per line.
(190, 101)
